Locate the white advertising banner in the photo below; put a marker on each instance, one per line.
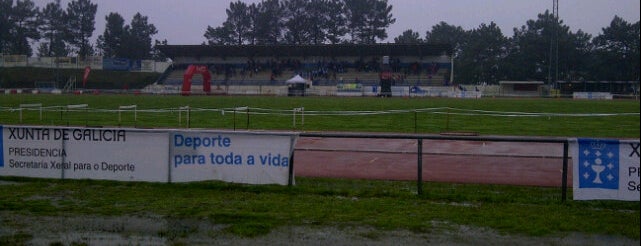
(146, 155)
(30, 152)
(605, 169)
(84, 153)
(239, 157)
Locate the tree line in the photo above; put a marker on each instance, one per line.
(303, 22)
(542, 49)
(67, 31)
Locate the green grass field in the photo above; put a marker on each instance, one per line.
(526, 117)
(250, 210)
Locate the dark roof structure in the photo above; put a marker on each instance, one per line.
(326, 50)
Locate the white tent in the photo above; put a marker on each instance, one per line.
(297, 80)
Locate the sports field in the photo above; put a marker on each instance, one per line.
(445, 213)
(488, 116)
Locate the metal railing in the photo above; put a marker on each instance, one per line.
(420, 137)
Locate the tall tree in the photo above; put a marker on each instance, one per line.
(481, 58)
(53, 30)
(367, 20)
(531, 53)
(577, 50)
(6, 7)
(23, 27)
(530, 49)
(378, 20)
(336, 21)
(267, 22)
(355, 11)
(298, 22)
(221, 35)
(235, 29)
(281, 21)
(443, 33)
(111, 41)
(408, 37)
(324, 21)
(617, 50)
(138, 41)
(80, 25)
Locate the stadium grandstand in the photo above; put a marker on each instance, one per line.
(331, 69)
(24, 74)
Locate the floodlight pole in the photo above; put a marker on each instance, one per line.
(452, 69)
(564, 178)
(556, 41)
(554, 45)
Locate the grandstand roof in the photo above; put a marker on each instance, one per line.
(331, 50)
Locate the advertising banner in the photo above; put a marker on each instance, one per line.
(135, 65)
(84, 153)
(30, 152)
(116, 64)
(147, 65)
(41, 61)
(146, 155)
(66, 62)
(239, 157)
(605, 169)
(85, 76)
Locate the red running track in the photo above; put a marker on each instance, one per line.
(452, 161)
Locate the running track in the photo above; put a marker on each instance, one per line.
(452, 161)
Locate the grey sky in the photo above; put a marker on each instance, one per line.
(185, 21)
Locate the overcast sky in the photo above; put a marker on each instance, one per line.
(185, 21)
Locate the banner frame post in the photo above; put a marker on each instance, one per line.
(419, 162)
(290, 180)
(78, 106)
(30, 105)
(294, 118)
(180, 109)
(169, 173)
(564, 178)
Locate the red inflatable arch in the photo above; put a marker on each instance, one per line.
(189, 73)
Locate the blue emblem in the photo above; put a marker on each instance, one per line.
(598, 164)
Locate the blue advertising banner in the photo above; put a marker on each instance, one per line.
(135, 65)
(606, 169)
(117, 64)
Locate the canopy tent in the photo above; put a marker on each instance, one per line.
(296, 86)
(297, 80)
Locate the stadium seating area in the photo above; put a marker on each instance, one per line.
(321, 73)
